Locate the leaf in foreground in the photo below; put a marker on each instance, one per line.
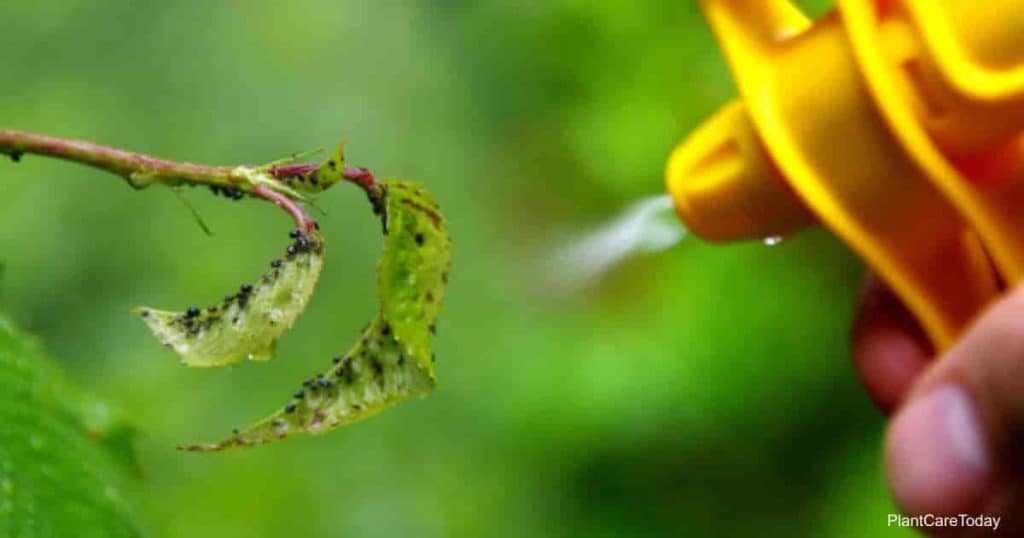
(62, 459)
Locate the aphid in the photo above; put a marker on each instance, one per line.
(246, 325)
(393, 359)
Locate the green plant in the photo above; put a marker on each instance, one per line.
(64, 457)
(393, 359)
(391, 362)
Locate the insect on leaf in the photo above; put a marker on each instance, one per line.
(246, 324)
(393, 360)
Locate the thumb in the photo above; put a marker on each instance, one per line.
(957, 445)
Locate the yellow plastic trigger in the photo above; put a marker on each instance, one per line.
(899, 124)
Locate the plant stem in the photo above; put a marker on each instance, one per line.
(140, 170)
(301, 217)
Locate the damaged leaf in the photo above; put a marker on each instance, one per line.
(393, 360)
(246, 324)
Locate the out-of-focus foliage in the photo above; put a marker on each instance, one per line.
(63, 458)
(701, 391)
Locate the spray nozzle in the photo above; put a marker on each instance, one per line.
(897, 124)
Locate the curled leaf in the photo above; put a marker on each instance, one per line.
(393, 360)
(246, 324)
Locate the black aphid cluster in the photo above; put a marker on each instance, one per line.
(229, 192)
(346, 371)
(196, 320)
(310, 179)
(303, 242)
(377, 195)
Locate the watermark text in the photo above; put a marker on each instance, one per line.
(934, 521)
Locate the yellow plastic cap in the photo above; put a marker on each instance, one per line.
(897, 124)
(725, 187)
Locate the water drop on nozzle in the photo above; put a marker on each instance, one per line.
(773, 240)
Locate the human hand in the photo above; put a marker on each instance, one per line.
(955, 441)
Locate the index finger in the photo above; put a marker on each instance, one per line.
(889, 348)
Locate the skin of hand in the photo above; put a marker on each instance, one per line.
(955, 439)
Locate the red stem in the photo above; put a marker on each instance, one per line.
(123, 163)
(358, 175)
(302, 219)
(141, 169)
(285, 171)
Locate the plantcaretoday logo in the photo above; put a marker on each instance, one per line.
(933, 521)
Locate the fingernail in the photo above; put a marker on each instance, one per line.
(936, 454)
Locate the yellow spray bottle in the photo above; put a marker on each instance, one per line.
(899, 124)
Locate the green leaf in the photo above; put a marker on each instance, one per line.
(247, 324)
(63, 456)
(393, 360)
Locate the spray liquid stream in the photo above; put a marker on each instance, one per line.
(647, 226)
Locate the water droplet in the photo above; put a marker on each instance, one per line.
(649, 225)
(773, 240)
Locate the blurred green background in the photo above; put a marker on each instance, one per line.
(704, 391)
